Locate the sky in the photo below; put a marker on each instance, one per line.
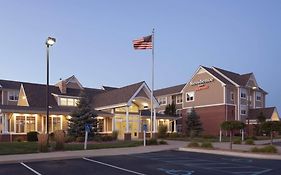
(94, 40)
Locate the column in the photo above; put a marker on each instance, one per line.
(154, 121)
(175, 126)
(113, 121)
(127, 119)
(127, 135)
(6, 124)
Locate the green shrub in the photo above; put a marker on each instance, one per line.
(162, 142)
(59, 137)
(152, 142)
(32, 136)
(69, 139)
(162, 131)
(252, 137)
(266, 149)
(18, 139)
(193, 144)
(249, 142)
(97, 138)
(106, 138)
(51, 136)
(115, 135)
(80, 139)
(174, 135)
(237, 141)
(207, 145)
(208, 137)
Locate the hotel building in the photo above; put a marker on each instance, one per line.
(217, 95)
(125, 109)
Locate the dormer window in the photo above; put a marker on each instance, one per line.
(68, 101)
(13, 95)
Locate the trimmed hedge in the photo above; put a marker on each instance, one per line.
(249, 142)
(193, 144)
(32, 136)
(207, 145)
(266, 149)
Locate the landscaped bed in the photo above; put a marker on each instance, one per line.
(32, 147)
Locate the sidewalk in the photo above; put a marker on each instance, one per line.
(89, 153)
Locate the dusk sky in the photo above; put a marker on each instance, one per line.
(94, 40)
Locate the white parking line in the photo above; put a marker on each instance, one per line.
(30, 168)
(112, 166)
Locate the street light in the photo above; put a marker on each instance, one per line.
(49, 42)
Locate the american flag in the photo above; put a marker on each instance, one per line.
(143, 43)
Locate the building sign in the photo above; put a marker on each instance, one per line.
(202, 87)
(201, 82)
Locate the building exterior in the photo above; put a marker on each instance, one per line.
(218, 95)
(125, 109)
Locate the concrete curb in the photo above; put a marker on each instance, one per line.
(231, 153)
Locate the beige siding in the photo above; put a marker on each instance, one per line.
(214, 94)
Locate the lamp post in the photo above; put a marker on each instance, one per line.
(49, 42)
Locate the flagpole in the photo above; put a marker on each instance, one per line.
(152, 87)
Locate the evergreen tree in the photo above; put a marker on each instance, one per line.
(170, 109)
(82, 115)
(193, 124)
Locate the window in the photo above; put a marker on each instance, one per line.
(13, 95)
(258, 96)
(162, 100)
(178, 112)
(56, 123)
(68, 101)
(179, 99)
(243, 112)
(189, 96)
(20, 124)
(30, 124)
(243, 93)
(231, 96)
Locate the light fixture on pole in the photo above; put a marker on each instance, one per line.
(49, 42)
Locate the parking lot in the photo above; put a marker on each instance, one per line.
(165, 162)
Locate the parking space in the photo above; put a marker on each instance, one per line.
(158, 163)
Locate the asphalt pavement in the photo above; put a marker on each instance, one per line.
(156, 163)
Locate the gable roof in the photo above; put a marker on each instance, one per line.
(217, 75)
(108, 88)
(115, 96)
(235, 77)
(169, 90)
(254, 113)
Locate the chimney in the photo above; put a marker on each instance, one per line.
(62, 86)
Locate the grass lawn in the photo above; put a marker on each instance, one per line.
(31, 147)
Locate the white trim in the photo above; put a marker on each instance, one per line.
(177, 99)
(192, 97)
(202, 106)
(238, 104)
(225, 77)
(200, 67)
(67, 96)
(13, 91)
(224, 94)
(166, 101)
(111, 106)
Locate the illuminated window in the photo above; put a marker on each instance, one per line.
(20, 124)
(68, 101)
(30, 123)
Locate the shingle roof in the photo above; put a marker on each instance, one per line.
(169, 90)
(254, 113)
(8, 84)
(217, 75)
(237, 78)
(109, 88)
(116, 96)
